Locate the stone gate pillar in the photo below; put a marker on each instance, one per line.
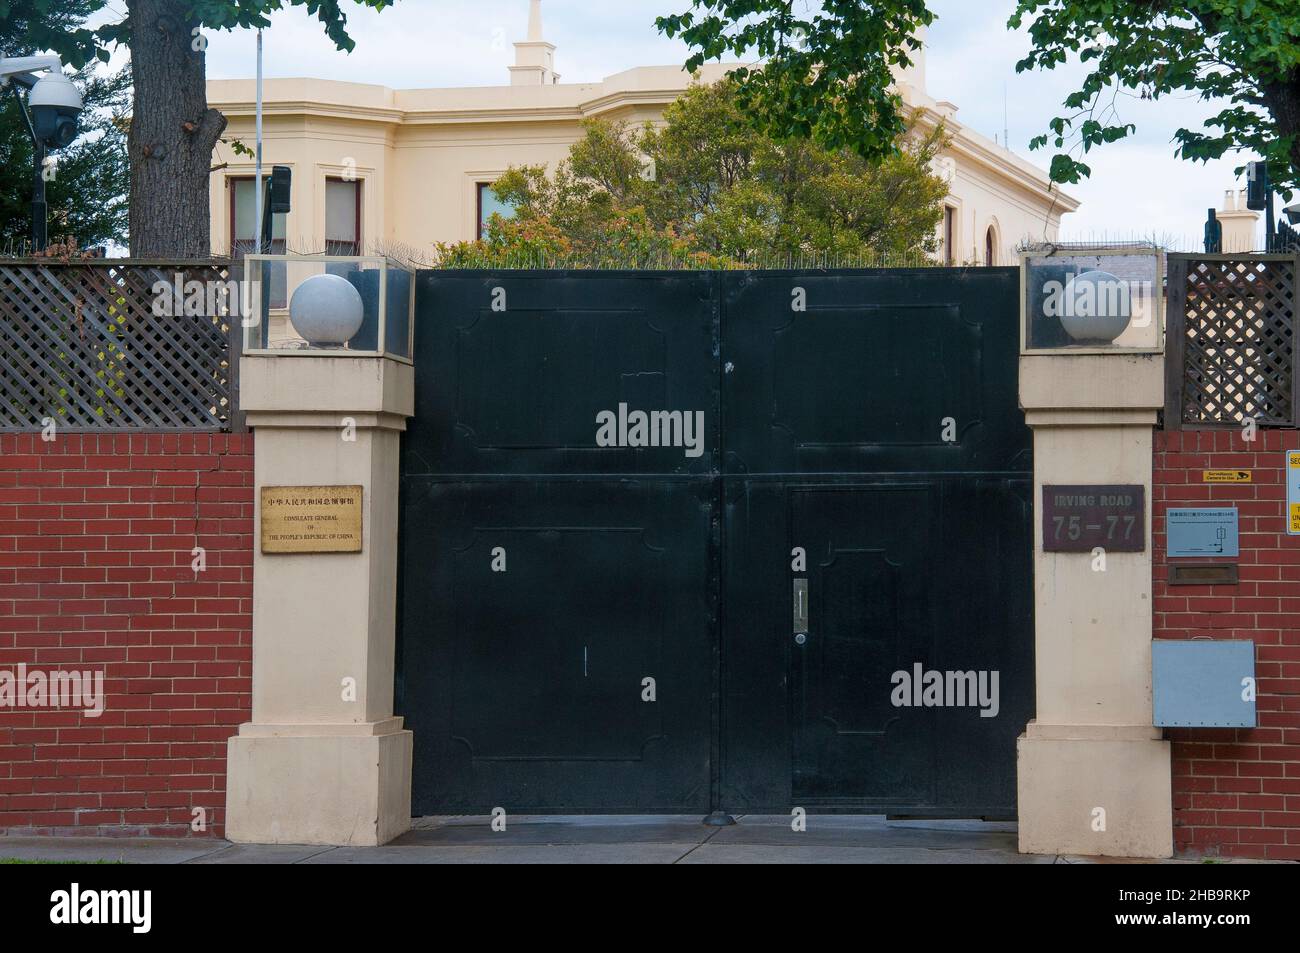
(324, 760)
(1093, 775)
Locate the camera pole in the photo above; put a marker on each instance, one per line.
(40, 215)
(259, 209)
(39, 207)
(1270, 229)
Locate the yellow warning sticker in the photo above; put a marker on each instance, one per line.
(1293, 492)
(1225, 476)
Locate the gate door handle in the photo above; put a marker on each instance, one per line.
(800, 611)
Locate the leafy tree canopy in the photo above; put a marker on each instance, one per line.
(32, 26)
(706, 186)
(58, 24)
(825, 68)
(1246, 52)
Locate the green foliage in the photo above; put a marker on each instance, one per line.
(1246, 52)
(827, 67)
(707, 189)
(88, 195)
(625, 240)
(31, 26)
(57, 24)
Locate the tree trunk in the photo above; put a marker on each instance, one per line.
(173, 133)
(1283, 101)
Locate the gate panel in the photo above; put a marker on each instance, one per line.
(918, 547)
(544, 578)
(523, 680)
(870, 612)
(982, 588)
(860, 381)
(823, 428)
(517, 391)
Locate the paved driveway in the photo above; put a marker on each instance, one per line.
(754, 839)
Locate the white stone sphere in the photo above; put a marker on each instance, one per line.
(326, 309)
(1097, 307)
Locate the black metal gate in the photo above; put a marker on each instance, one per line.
(623, 491)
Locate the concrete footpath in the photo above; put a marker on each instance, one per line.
(529, 839)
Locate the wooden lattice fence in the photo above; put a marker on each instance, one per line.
(1231, 341)
(93, 345)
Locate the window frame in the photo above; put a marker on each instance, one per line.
(480, 227)
(231, 182)
(358, 185)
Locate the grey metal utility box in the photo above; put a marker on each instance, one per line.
(1203, 683)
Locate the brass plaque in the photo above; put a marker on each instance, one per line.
(311, 519)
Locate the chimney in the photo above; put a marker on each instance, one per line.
(534, 57)
(914, 75)
(1239, 224)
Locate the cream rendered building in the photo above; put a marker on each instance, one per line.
(376, 169)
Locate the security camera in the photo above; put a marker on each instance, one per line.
(1292, 213)
(55, 104)
(52, 98)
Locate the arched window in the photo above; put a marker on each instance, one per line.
(990, 247)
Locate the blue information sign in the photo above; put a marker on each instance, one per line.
(1201, 532)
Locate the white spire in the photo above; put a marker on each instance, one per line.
(534, 57)
(534, 21)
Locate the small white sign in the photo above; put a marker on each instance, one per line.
(1202, 532)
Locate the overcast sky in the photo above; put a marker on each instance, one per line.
(1138, 187)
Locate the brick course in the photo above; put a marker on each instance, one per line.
(96, 540)
(1236, 791)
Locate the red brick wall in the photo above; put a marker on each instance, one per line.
(1237, 791)
(96, 534)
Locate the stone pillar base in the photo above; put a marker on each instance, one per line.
(341, 785)
(1066, 772)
